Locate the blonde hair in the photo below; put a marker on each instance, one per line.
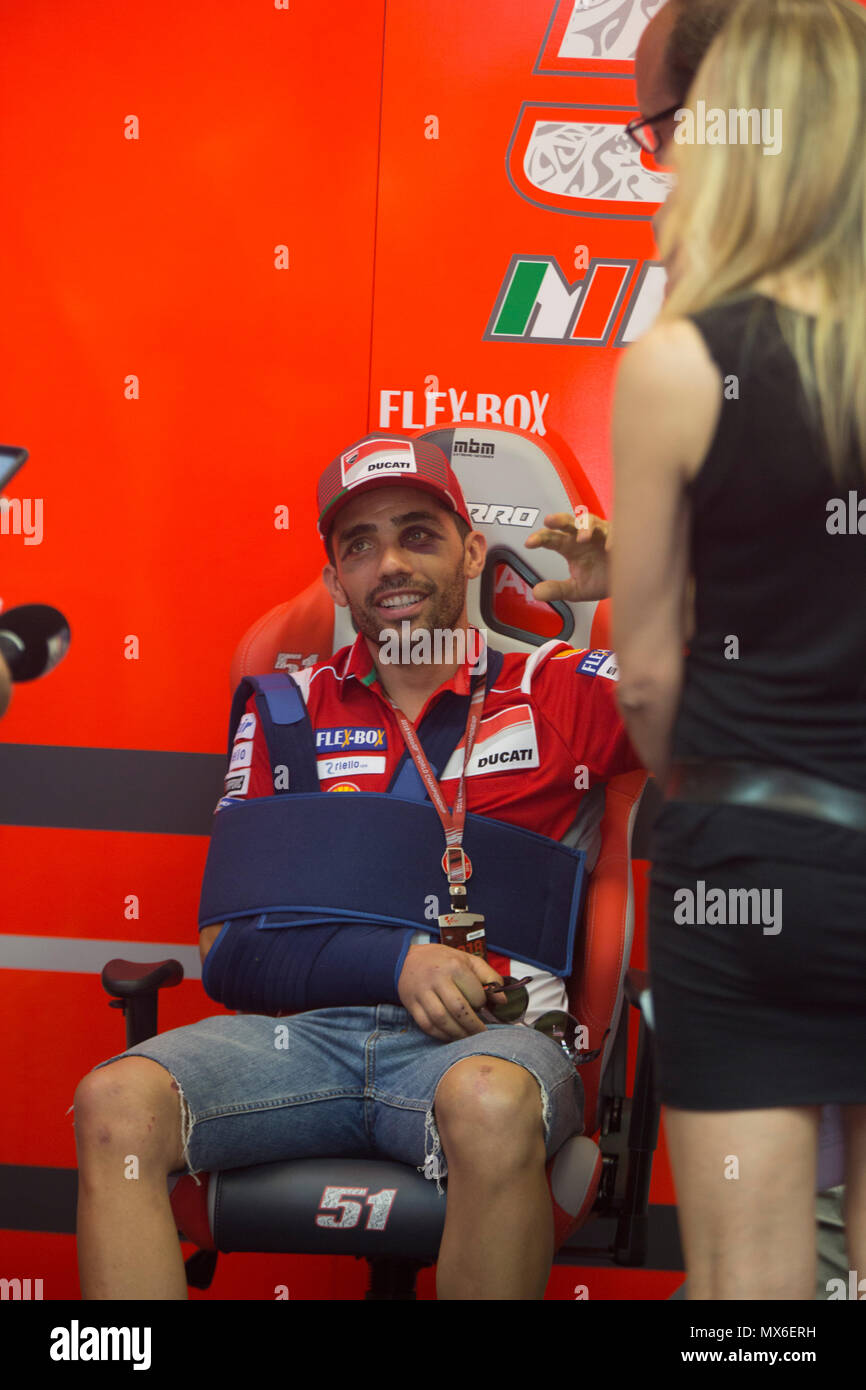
(738, 215)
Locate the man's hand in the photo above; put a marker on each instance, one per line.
(5, 687)
(584, 542)
(206, 938)
(441, 988)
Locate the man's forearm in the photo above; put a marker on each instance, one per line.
(293, 969)
(649, 715)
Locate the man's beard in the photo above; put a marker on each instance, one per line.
(444, 608)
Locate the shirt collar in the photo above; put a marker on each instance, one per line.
(359, 663)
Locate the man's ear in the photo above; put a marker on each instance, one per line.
(474, 554)
(334, 587)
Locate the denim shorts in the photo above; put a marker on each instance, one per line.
(345, 1082)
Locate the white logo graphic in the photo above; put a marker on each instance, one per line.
(506, 742)
(526, 412)
(242, 756)
(585, 159)
(493, 513)
(606, 28)
(294, 661)
(377, 456)
(342, 767)
(77, 1343)
(237, 783)
(609, 668)
(712, 907)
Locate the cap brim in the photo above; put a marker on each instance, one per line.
(327, 518)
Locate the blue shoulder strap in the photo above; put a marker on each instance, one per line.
(291, 743)
(286, 727)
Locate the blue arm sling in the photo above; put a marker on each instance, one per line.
(321, 893)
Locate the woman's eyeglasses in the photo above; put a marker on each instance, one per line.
(643, 129)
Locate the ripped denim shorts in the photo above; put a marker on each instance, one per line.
(346, 1082)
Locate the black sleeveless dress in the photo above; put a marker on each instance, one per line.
(760, 996)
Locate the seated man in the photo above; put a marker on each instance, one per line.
(388, 1056)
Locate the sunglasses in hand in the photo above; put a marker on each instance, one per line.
(513, 1007)
(557, 1025)
(563, 1029)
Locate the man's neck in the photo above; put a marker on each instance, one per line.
(409, 684)
(410, 687)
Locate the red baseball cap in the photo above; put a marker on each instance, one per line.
(381, 460)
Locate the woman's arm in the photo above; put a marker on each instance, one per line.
(666, 411)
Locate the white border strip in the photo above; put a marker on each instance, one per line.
(85, 956)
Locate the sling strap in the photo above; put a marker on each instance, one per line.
(304, 858)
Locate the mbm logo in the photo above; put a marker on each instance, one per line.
(474, 446)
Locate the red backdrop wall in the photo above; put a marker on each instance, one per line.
(434, 170)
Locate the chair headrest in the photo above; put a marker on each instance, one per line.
(511, 480)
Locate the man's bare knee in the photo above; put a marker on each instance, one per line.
(488, 1103)
(131, 1101)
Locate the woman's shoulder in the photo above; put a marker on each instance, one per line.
(671, 349)
(673, 381)
(693, 336)
(669, 383)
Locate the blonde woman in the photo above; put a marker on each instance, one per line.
(740, 461)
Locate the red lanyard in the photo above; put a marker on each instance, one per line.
(453, 819)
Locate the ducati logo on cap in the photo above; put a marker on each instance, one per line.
(377, 458)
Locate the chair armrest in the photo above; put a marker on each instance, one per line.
(126, 979)
(135, 988)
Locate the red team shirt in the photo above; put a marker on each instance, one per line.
(550, 733)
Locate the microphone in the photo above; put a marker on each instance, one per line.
(33, 639)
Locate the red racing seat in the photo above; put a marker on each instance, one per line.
(511, 480)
